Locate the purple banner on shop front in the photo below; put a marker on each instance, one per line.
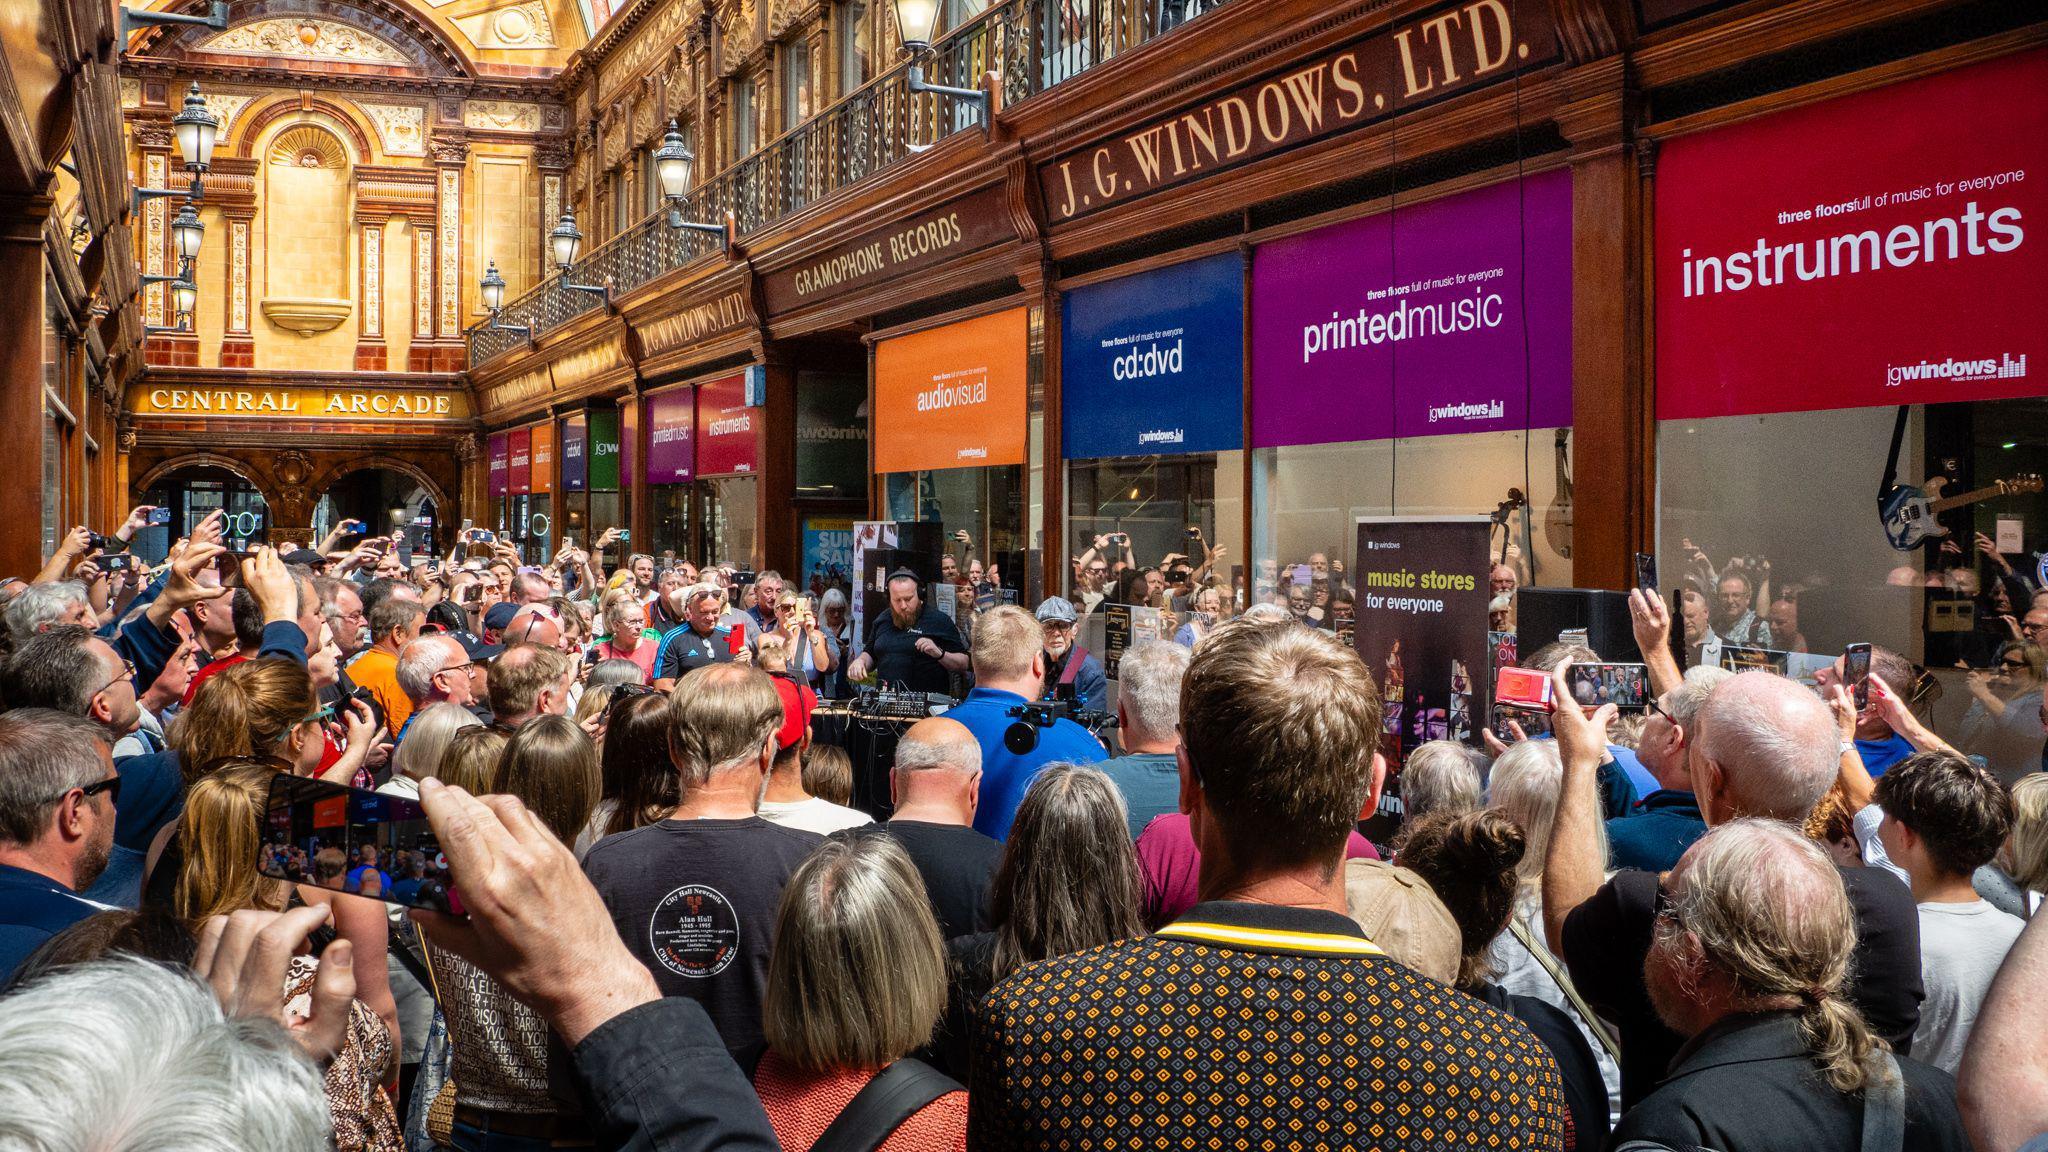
(671, 455)
(499, 453)
(1414, 323)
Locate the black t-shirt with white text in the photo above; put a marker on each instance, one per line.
(695, 901)
(897, 660)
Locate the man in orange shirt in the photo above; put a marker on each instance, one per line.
(394, 623)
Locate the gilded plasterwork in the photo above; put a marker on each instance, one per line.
(288, 37)
(401, 128)
(451, 249)
(502, 115)
(520, 26)
(423, 283)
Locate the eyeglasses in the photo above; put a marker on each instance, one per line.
(111, 786)
(127, 673)
(1652, 706)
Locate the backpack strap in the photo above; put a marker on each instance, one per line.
(1563, 980)
(893, 1096)
(1884, 1105)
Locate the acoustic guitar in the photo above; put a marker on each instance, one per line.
(1557, 521)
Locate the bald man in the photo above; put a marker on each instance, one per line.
(935, 785)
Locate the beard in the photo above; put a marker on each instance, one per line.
(93, 857)
(1668, 996)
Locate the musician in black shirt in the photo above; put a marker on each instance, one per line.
(914, 646)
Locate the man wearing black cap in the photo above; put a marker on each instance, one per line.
(914, 645)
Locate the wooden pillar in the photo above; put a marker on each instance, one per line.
(1613, 439)
(775, 517)
(21, 384)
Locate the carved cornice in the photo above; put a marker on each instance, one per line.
(153, 135)
(382, 193)
(449, 150)
(1590, 30)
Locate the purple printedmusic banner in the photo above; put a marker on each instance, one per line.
(1413, 325)
(671, 450)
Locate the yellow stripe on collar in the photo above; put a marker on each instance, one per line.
(1205, 932)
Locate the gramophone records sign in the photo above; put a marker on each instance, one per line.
(694, 932)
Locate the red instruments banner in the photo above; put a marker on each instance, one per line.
(1882, 248)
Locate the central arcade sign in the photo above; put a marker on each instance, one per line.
(304, 402)
(1449, 51)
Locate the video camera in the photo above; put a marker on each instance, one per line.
(1021, 737)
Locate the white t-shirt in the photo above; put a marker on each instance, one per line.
(1961, 947)
(813, 815)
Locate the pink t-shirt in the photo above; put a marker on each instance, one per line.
(643, 654)
(1172, 866)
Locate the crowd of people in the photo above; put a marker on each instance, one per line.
(646, 914)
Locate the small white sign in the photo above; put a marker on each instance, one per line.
(2012, 532)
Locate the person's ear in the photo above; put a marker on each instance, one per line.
(100, 709)
(1190, 787)
(1038, 664)
(1379, 782)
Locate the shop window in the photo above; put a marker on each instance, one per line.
(1154, 502)
(1798, 579)
(730, 535)
(855, 42)
(1307, 499)
(985, 503)
(668, 519)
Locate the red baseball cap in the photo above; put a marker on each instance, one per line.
(798, 702)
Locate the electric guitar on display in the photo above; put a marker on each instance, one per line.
(1503, 518)
(1910, 514)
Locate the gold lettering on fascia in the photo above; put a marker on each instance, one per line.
(1455, 49)
(240, 402)
(915, 242)
(692, 324)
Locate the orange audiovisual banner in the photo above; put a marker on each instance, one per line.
(543, 445)
(952, 397)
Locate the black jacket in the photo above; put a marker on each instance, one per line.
(1748, 1085)
(659, 1078)
(1585, 1093)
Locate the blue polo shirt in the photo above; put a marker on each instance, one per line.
(1004, 774)
(1657, 833)
(34, 908)
(1879, 755)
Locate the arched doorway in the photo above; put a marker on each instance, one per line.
(192, 490)
(383, 500)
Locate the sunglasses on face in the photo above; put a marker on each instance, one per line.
(111, 786)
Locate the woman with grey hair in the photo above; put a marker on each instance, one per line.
(838, 625)
(856, 983)
(1440, 776)
(1069, 880)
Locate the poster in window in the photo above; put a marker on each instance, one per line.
(1420, 624)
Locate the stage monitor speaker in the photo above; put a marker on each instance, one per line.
(1542, 613)
(925, 565)
(925, 540)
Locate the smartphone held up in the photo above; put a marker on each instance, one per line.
(349, 840)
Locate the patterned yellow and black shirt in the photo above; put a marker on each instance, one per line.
(1249, 1026)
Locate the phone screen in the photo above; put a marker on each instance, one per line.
(308, 823)
(1626, 686)
(1646, 572)
(1856, 673)
(1522, 688)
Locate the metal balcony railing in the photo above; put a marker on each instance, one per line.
(1031, 44)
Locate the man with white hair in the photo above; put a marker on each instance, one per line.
(935, 785)
(698, 642)
(1148, 728)
(1749, 960)
(432, 669)
(45, 605)
(1765, 747)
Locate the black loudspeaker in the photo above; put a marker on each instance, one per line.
(1542, 613)
(924, 565)
(921, 544)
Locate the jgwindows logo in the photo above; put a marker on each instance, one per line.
(1484, 410)
(2005, 367)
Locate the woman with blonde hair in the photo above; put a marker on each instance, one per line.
(223, 821)
(2024, 857)
(627, 635)
(426, 738)
(856, 983)
(1524, 787)
(498, 1047)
